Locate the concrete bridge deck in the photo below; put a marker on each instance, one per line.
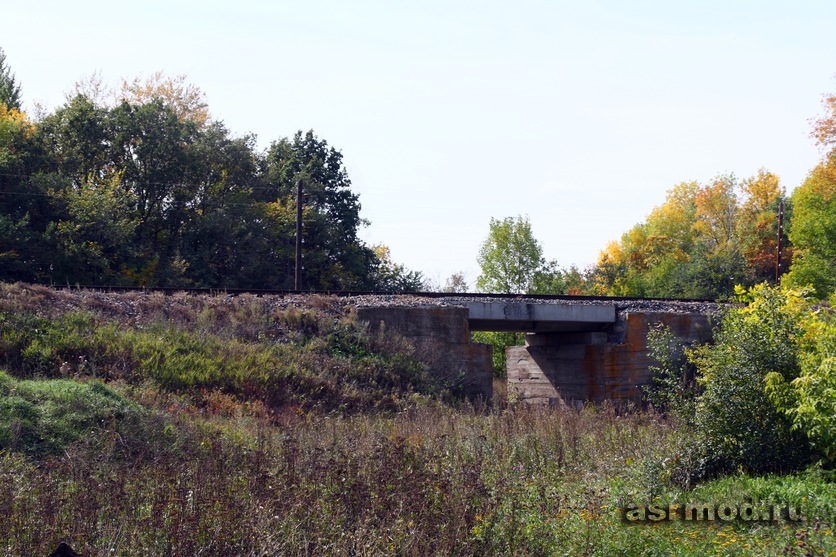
(538, 318)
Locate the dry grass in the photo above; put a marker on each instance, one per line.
(269, 350)
(417, 483)
(431, 480)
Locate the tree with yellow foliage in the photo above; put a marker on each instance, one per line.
(716, 217)
(699, 243)
(824, 127)
(758, 225)
(16, 240)
(813, 228)
(186, 100)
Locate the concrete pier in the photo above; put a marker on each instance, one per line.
(571, 368)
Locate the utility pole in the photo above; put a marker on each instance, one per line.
(780, 252)
(298, 281)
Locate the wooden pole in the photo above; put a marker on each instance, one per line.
(780, 252)
(298, 278)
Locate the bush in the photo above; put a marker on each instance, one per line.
(738, 426)
(674, 384)
(809, 399)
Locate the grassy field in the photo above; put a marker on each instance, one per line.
(148, 425)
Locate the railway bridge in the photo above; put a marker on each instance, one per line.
(577, 349)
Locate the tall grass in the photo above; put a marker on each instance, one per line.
(143, 425)
(431, 480)
(43, 418)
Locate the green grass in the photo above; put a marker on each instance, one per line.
(314, 362)
(44, 417)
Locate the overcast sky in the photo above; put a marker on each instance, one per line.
(580, 115)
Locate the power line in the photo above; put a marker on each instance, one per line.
(31, 177)
(191, 204)
(34, 180)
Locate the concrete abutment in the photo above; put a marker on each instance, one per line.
(441, 337)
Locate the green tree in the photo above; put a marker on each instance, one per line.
(25, 207)
(512, 262)
(510, 257)
(499, 341)
(9, 88)
(389, 276)
(455, 283)
(548, 279)
(577, 283)
(152, 150)
(16, 243)
(143, 187)
(226, 240)
(334, 257)
(76, 140)
(95, 237)
(15, 143)
(813, 231)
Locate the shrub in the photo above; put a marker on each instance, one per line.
(738, 426)
(674, 386)
(809, 399)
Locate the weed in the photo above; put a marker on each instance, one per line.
(256, 429)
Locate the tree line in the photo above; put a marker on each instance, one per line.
(140, 186)
(701, 242)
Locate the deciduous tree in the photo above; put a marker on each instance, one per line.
(334, 257)
(389, 276)
(717, 213)
(758, 226)
(186, 100)
(510, 257)
(455, 283)
(813, 231)
(824, 126)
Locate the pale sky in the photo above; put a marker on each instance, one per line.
(578, 114)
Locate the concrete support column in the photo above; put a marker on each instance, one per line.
(573, 368)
